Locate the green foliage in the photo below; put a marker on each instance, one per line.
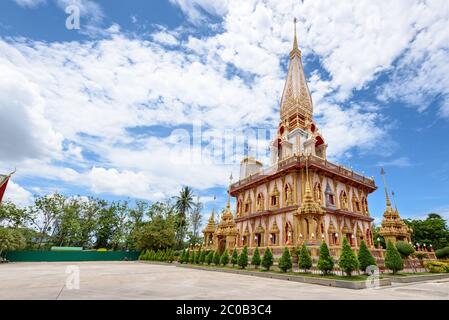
(217, 258)
(182, 258)
(437, 266)
(234, 258)
(198, 256)
(365, 257)
(442, 253)
(210, 257)
(267, 259)
(404, 248)
(255, 261)
(184, 204)
(325, 260)
(433, 230)
(192, 257)
(224, 260)
(304, 258)
(187, 257)
(160, 255)
(243, 258)
(348, 261)
(285, 262)
(11, 239)
(393, 260)
(203, 256)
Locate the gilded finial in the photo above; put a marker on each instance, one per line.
(295, 41)
(228, 205)
(382, 172)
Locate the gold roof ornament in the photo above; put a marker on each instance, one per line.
(308, 205)
(227, 225)
(392, 226)
(274, 228)
(210, 227)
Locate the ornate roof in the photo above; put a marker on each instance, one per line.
(211, 225)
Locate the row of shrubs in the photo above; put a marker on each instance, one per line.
(167, 255)
(348, 261)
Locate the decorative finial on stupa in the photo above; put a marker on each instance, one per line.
(228, 205)
(382, 172)
(295, 40)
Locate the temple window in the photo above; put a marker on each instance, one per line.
(258, 239)
(260, 202)
(273, 238)
(330, 198)
(273, 201)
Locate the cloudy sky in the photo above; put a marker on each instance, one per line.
(110, 109)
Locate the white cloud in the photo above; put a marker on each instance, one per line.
(399, 162)
(18, 195)
(30, 3)
(165, 38)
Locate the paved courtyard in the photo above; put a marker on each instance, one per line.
(136, 280)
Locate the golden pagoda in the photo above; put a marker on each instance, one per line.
(393, 228)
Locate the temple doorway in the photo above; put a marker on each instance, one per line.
(221, 245)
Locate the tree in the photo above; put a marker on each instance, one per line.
(393, 260)
(184, 203)
(159, 233)
(348, 261)
(210, 257)
(325, 260)
(224, 258)
(267, 259)
(285, 262)
(195, 221)
(10, 239)
(304, 259)
(365, 257)
(217, 258)
(243, 258)
(12, 216)
(255, 261)
(433, 230)
(182, 259)
(442, 253)
(234, 258)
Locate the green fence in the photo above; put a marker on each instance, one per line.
(52, 256)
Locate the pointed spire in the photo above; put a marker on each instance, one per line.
(382, 172)
(295, 40)
(228, 205)
(394, 200)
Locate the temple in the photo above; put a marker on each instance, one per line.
(301, 197)
(4, 179)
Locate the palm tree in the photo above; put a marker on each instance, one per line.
(184, 203)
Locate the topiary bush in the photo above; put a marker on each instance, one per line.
(234, 258)
(203, 256)
(192, 257)
(404, 248)
(393, 260)
(267, 259)
(325, 260)
(209, 257)
(255, 261)
(187, 257)
(348, 261)
(304, 259)
(197, 257)
(442, 253)
(217, 258)
(224, 260)
(243, 258)
(365, 257)
(285, 262)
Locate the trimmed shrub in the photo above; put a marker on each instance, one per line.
(209, 257)
(224, 260)
(267, 259)
(143, 254)
(187, 256)
(285, 262)
(192, 257)
(325, 260)
(404, 248)
(203, 256)
(217, 258)
(365, 257)
(255, 261)
(234, 258)
(243, 258)
(304, 259)
(442, 253)
(437, 266)
(197, 256)
(348, 261)
(393, 260)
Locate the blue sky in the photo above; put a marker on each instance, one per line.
(98, 111)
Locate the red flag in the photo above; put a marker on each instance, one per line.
(3, 183)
